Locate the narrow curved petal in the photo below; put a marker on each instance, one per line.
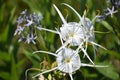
(45, 72)
(84, 51)
(97, 45)
(73, 10)
(89, 65)
(60, 14)
(71, 77)
(60, 36)
(48, 30)
(45, 52)
(63, 46)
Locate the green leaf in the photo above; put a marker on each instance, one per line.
(14, 72)
(113, 53)
(33, 58)
(5, 75)
(20, 63)
(107, 25)
(12, 14)
(4, 35)
(108, 71)
(4, 56)
(33, 4)
(89, 3)
(41, 42)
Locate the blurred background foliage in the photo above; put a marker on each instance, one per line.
(16, 58)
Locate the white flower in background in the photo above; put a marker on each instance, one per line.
(68, 61)
(111, 11)
(89, 31)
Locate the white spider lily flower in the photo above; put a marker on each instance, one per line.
(88, 36)
(111, 11)
(87, 27)
(68, 61)
(72, 32)
(89, 31)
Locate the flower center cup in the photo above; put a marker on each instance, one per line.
(68, 61)
(72, 32)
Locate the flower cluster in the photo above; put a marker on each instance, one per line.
(110, 10)
(76, 33)
(79, 34)
(72, 34)
(26, 26)
(115, 3)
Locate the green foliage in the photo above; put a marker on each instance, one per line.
(16, 58)
(109, 71)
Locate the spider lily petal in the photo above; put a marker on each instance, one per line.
(89, 65)
(71, 77)
(61, 16)
(60, 36)
(73, 10)
(45, 72)
(84, 51)
(63, 46)
(45, 52)
(97, 45)
(49, 30)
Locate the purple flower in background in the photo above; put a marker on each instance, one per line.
(111, 11)
(26, 26)
(115, 3)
